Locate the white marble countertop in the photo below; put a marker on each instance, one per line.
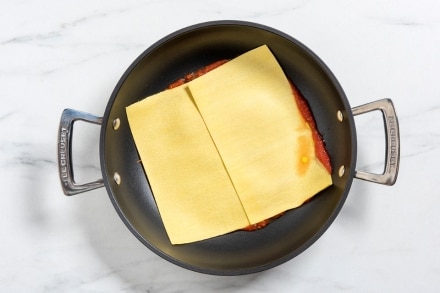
(70, 54)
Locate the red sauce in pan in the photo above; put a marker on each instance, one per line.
(320, 151)
(198, 73)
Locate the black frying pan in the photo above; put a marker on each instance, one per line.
(185, 51)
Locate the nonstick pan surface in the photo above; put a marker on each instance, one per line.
(185, 51)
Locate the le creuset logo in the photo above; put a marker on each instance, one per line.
(62, 153)
(393, 139)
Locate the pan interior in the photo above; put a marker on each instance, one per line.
(183, 52)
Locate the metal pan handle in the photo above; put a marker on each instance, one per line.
(68, 117)
(392, 158)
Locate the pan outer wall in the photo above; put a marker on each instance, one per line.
(185, 51)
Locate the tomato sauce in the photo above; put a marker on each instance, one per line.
(320, 151)
(198, 73)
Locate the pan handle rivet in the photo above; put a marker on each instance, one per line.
(116, 123)
(340, 116)
(117, 178)
(341, 171)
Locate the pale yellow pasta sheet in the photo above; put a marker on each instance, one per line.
(192, 189)
(255, 123)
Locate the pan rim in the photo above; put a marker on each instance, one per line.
(163, 254)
